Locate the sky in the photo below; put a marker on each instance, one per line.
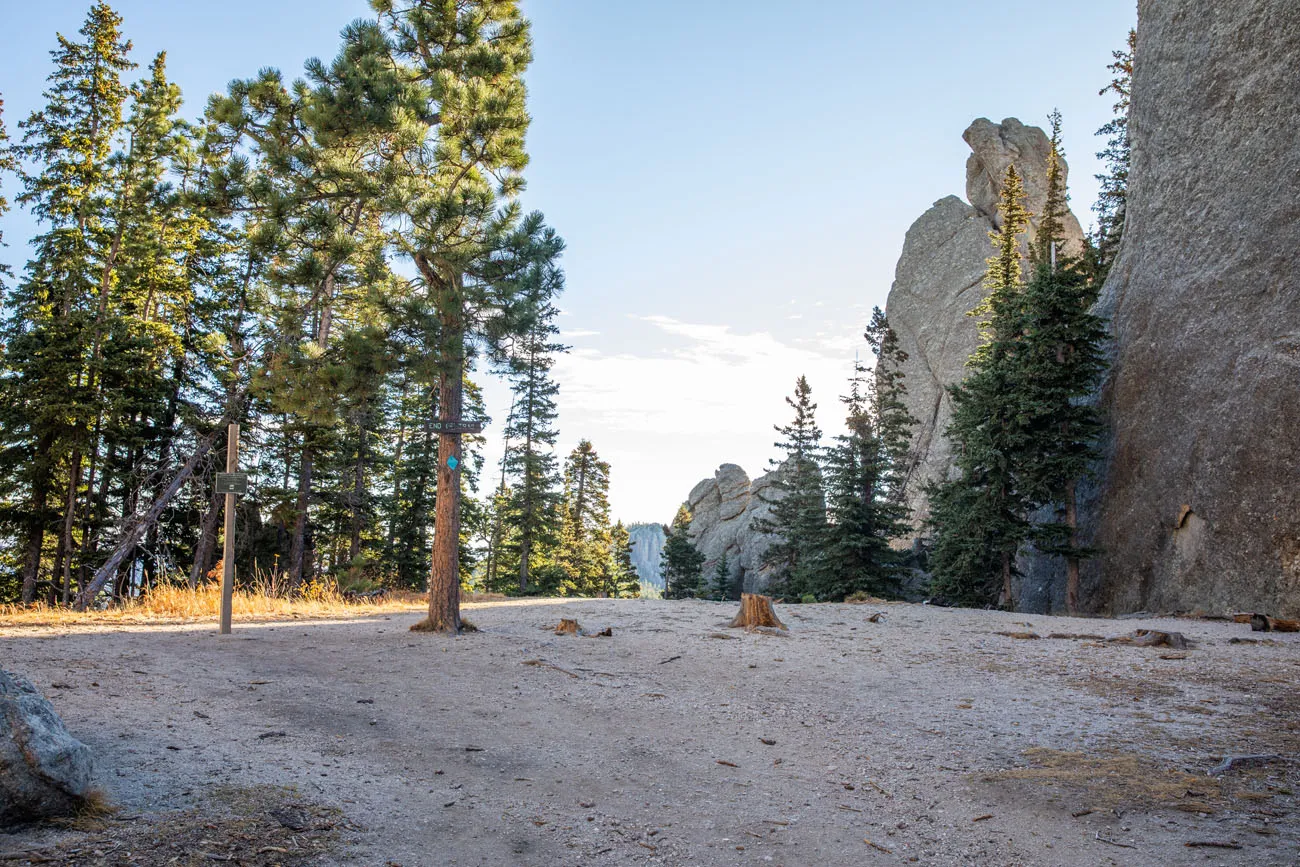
(733, 179)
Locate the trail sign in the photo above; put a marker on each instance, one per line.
(232, 483)
(458, 427)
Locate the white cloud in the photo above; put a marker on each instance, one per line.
(667, 419)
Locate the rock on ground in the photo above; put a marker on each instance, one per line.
(44, 771)
(939, 280)
(1201, 501)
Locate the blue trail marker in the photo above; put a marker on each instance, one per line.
(452, 462)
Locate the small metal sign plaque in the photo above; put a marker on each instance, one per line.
(232, 483)
(458, 427)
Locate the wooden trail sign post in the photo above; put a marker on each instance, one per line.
(232, 483)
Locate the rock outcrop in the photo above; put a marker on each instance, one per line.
(648, 552)
(939, 280)
(1200, 501)
(723, 511)
(44, 771)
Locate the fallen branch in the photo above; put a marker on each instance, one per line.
(1211, 844)
(544, 664)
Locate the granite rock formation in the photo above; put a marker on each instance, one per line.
(1200, 500)
(44, 771)
(648, 552)
(723, 510)
(939, 280)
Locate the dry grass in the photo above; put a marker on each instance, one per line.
(1115, 780)
(182, 605)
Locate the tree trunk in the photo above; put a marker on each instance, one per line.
(756, 612)
(1072, 559)
(1006, 581)
(36, 527)
(444, 572)
(298, 547)
(207, 543)
(69, 517)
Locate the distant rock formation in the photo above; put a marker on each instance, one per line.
(648, 552)
(723, 509)
(1200, 503)
(939, 280)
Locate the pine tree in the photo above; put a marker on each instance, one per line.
(48, 402)
(1060, 362)
(720, 587)
(798, 508)
(585, 540)
(1112, 195)
(626, 584)
(978, 517)
(533, 509)
(682, 560)
(865, 474)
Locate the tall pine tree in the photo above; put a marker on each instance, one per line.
(682, 561)
(978, 517)
(797, 517)
(1112, 195)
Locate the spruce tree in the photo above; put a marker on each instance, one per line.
(797, 517)
(626, 583)
(1060, 361)
(1112, 195)
(978, 515)
(720, 586)
(682, 560)
(865, 474)
(585, 539)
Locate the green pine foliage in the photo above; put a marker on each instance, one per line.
(585, 543)
(626, 584)
(978, 516)
(720, 586)
(683, 563)
(797, 517)
(1112, 195)
(865, 472)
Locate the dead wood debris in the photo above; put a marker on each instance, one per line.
(1152, 638)
(569, 626)
(1022, 635)
(1211, 844)
(544, 664)
(1239, 763)
(1264, 623)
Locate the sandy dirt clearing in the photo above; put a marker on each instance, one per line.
(678, 741)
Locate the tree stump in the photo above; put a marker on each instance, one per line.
(755, 612)
(568, 627)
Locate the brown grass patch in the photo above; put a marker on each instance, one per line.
(169, 604)
(1116, 780)
(259, 826)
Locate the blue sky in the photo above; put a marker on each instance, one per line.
(733, 178)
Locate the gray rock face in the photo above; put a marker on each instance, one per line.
(1200, 504)
(44, 771)
(939, 280)
(723, 509)
(648, 552)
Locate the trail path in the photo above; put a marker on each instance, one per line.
(926, 734)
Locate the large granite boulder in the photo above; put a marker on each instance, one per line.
(1200, 502)
(939, 280)
(723, 511)
(44, 771)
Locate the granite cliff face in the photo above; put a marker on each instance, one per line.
(648, 552)
(1200, 500)
(723, 509)
(939, 280)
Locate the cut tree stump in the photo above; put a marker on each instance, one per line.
(756, 611)
(568, 627)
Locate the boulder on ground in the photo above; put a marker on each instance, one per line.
(44, 771)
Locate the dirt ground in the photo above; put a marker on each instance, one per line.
(923, 738)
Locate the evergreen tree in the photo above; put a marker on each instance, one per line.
(865, 474)
(978, 516)
(798, 510)
(533, 509)
(585, 539)
(1060, 362)
(626, 584)
(682, 560)
(1112, 195)
(720, 588)
(48, 401)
